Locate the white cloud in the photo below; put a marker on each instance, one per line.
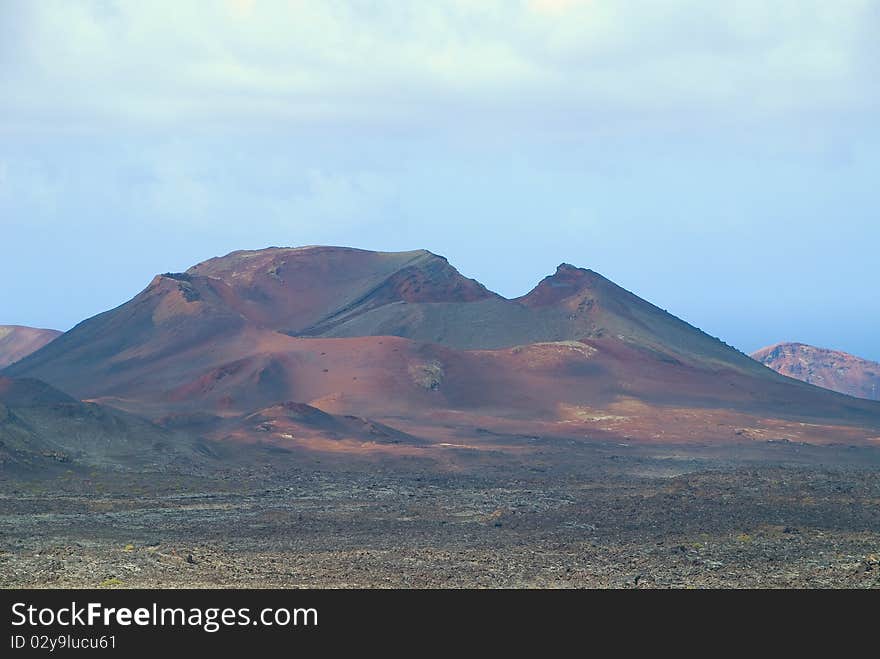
(247, 62)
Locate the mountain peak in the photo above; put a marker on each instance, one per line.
(308, 290)
(564, 268)
(568, 280)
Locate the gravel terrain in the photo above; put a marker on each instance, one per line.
(611, 516)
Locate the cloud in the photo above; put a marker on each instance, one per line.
(218, 186)
(252, 63)
(554, 7)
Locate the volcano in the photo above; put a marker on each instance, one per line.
(346, 349)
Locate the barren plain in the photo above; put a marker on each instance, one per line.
(769, 515)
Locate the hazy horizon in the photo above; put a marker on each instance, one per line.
(718, 161)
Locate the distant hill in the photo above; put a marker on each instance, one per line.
(17, 342)
(831, 369)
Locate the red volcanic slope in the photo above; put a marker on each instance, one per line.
(17, 342)
(831, 369)
(399, 349)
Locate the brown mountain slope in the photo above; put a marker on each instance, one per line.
(583, 304)
(393, 350)
(42, 428)
(17, 342)
(309, 290)
(831, 369)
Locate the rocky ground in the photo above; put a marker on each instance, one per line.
(611, 516)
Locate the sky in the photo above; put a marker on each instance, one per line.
(719, 159)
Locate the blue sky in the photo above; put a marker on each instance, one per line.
(719, 159)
